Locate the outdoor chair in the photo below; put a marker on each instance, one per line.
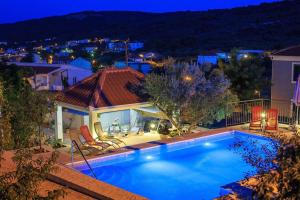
(85, 132)
(102, 138)
(256, 118)
(272, 120)
(91, 150)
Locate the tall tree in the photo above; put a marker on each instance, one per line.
(250, 77)
(190, 94)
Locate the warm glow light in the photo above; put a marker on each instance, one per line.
(263, 115)
(187, 78)
(152, 126)
(246, 56)
(141, 55)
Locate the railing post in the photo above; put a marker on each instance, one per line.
(72, 153)
(226, 114)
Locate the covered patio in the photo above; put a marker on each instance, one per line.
(106, 99)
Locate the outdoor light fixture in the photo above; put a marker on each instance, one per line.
(207, 144)
(152, 126)
(187, 78)
(149, 157)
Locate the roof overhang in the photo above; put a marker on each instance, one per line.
(285, 58)
(120, 107)
(151, 112)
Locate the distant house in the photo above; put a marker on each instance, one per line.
(90, 49)
(285, 72)
(53, 77)
(73, 43)
(116, 46)
(134, 45)
(82, 63)
(119, 46)
(212, 57)
(142, 67)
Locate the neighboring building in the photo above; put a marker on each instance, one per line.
(135, 45)
(212, 57)
(285, 72)
(116, 46)
(119, 46)
(53, 77)
(108, 97)
(143, 67)
(82, 63)
(3, 43)
(90, 49)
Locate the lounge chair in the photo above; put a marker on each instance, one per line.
(256, 118)
(91, 150)
(85, 132)
(102, 138)
(272, 120)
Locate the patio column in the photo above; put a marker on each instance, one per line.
(59, 133)
(92, 120)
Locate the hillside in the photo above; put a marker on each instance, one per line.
(267, 26)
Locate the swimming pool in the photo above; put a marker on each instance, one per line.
(193, 169)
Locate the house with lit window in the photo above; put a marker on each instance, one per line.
(285, 72)
(111, 97)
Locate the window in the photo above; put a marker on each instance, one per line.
(296, 72)
(74, 80)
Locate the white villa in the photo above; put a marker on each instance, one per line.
(51, 76)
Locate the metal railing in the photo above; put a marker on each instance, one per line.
(240, 112)
(74, 143)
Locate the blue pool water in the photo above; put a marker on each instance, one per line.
(195, 169)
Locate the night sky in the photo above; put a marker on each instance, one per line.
(17, 10)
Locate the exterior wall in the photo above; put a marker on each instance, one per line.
(40, 82)
(122, 117)
(282, 84)
(72, 121)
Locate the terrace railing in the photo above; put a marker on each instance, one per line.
(242, 111)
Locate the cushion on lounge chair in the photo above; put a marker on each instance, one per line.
(86, 134)
(272, 122)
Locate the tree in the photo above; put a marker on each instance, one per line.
(28, 107)
(278, 167)
(5, 127)
(190, 94)
(18, 93)
(42, 105)
(23, 182)
(249, 76)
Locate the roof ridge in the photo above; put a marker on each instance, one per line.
(99, 83)
(83, 81)
(287, 48)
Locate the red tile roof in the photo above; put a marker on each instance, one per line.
(290, 51)
(109, 87)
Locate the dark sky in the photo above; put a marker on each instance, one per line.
(17, 10)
